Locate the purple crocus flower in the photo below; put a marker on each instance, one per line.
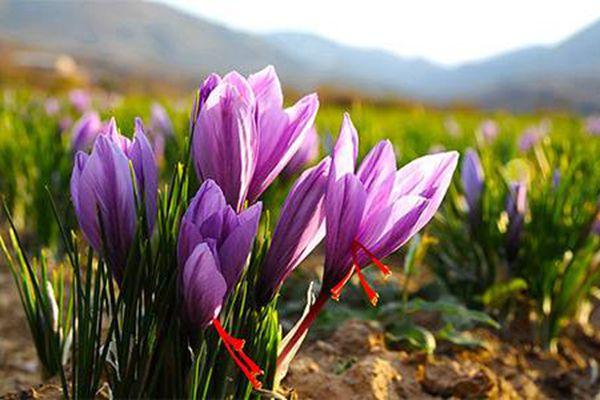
(101, 187)
(160, 122)
(533, 135)
(243, 137)
(80, 99)
(300, 228)
(371, 212)
(85, 131)
(489, 130)
(52, 106)
(213, 248)
(592, 125)
(516, 207)
(309, 150)
(472, 177)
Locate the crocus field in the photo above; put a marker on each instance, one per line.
(237, 243)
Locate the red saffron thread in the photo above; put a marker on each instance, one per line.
(235, 348)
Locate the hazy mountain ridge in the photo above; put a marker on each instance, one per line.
(156, 38)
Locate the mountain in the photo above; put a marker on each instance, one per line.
(152, 38)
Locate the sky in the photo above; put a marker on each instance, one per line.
(449, 32)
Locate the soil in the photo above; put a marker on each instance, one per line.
(355, 363)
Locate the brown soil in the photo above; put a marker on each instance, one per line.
(354, 363)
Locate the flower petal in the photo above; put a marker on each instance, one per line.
(235, 249)
(267, 89)
(429, 177)
(281, 133)
(300, 228)
(146, 172)
(344, 206)
(224, 143)
(203, 287)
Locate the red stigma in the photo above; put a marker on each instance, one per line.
(372, 294)
(235, 348)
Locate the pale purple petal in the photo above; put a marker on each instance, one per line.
(224, 143)
(300, 228)
(79, 162)
(345, 150)
(428, 177)
(267, 89)
(472, 179)
(308, 151)
(281, 133)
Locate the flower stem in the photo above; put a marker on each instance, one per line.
(307, 321)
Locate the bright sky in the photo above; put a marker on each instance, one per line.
(446, 31)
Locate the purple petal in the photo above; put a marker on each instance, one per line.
(428, 177)
(203, 287)
(79, 162)
(344, 205)
(85, 131)
(267, 89)
(472, 178)
(106, 189)
(224, 143)
(390, 228)
(146, 171)
(208, 201)
(281, 135)
(377, 172)
(300, 228)
(242, 86)
(308, 151)
(345, 151)
(235, 250)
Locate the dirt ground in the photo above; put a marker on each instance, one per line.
(354, 363)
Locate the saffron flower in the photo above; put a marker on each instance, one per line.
(242, 122)
(371, 212)
(213, 248)
(516, 207)
(309, 150)
(301, 227)
(52, 106)
(592, 125)
(85, 131)
(104, 194)
(160, 122)
(80, 99)
(489, 130)
(472, 177)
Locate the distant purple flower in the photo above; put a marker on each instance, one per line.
(533, 135)
(52, 106)
(373, 211)
(300, 228)
(160, 122)
(80, 99)
(64, 124)
(308, 151)
(85, 131)
(516, 207)
(101, 187)
(472, 177)
(592, 125)
(243, 136)
(213, 248)
(556, 178)
(452, 127)
(489, 130)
